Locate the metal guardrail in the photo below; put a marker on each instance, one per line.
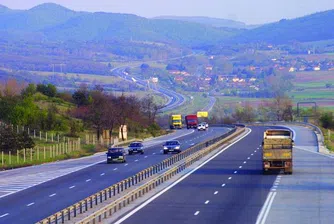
(120, 203)
(111, 192)
(314, 127)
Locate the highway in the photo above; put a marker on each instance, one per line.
(232, 189)
(175, 99)
(37, 202)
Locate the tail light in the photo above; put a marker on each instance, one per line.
(266, 164)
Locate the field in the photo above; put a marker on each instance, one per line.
(311, 86)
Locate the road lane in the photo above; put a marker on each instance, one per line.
(232, 197)
(12, 181)
(307, 196)
(71, 188)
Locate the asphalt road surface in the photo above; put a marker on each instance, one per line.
(232, 189)
(37, 202)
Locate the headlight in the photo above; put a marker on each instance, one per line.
(165, 147)
(109, 157)
(177, 147)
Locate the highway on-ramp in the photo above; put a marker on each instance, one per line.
(37, 202)
(232, 189)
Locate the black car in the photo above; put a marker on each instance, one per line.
(136, 147)
(172, 146)
(116, 155)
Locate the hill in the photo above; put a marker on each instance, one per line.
(52, 22)
(215, 22)
(313, 27)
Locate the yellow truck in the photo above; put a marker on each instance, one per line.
(277, 150)
(175, 121)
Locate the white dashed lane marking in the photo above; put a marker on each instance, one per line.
(102, 174)
(28, 205)
(126, 164)
(207, 202)
(235, 171)
(196, 213)
(230, 178)
(136, 160)
(216, 192)
(51, 195)
(4, 215)
(115, 169)
(240, 167)
(72, 187)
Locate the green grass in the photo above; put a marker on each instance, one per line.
(313, 94)
(329, 141)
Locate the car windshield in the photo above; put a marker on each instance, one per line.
(172, 143)
(114, 150)
(136, 144)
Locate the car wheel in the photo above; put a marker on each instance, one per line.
(130, 152)
(142, 152)
(165, 152)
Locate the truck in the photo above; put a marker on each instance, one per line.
(175, 121)
(191, 121)
(277, 150)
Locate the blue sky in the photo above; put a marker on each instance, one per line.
(248, 11)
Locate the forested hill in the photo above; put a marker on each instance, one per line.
(215, 22)
(54, 22)
(315, 27)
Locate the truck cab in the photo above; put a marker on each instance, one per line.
(191, 121)
(175, 121)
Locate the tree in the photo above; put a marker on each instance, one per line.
(48, 90)
(327, 120)
(281, 108)
(11, 141)
(81, 97)
(29, 90)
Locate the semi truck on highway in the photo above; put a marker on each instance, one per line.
(191, 121)
(175, 121)
(277, 150)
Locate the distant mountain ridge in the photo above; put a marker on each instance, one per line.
(56, 23)
(314, 27)
(52, 22)
(215, 22)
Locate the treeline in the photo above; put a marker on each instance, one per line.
(42, 107)
(103, 111)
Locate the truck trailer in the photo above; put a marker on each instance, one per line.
(277, 150)
(175, 121)
(191, 121)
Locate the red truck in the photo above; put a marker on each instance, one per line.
(191, 121)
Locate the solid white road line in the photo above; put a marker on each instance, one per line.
(51, 195)
(261, 219)
(4, 215)
(179, 180)
(28, 205)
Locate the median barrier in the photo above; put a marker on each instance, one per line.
(197, 151)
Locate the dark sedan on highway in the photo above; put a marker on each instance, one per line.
(172, 146)
(116, 155)
(136, 147)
